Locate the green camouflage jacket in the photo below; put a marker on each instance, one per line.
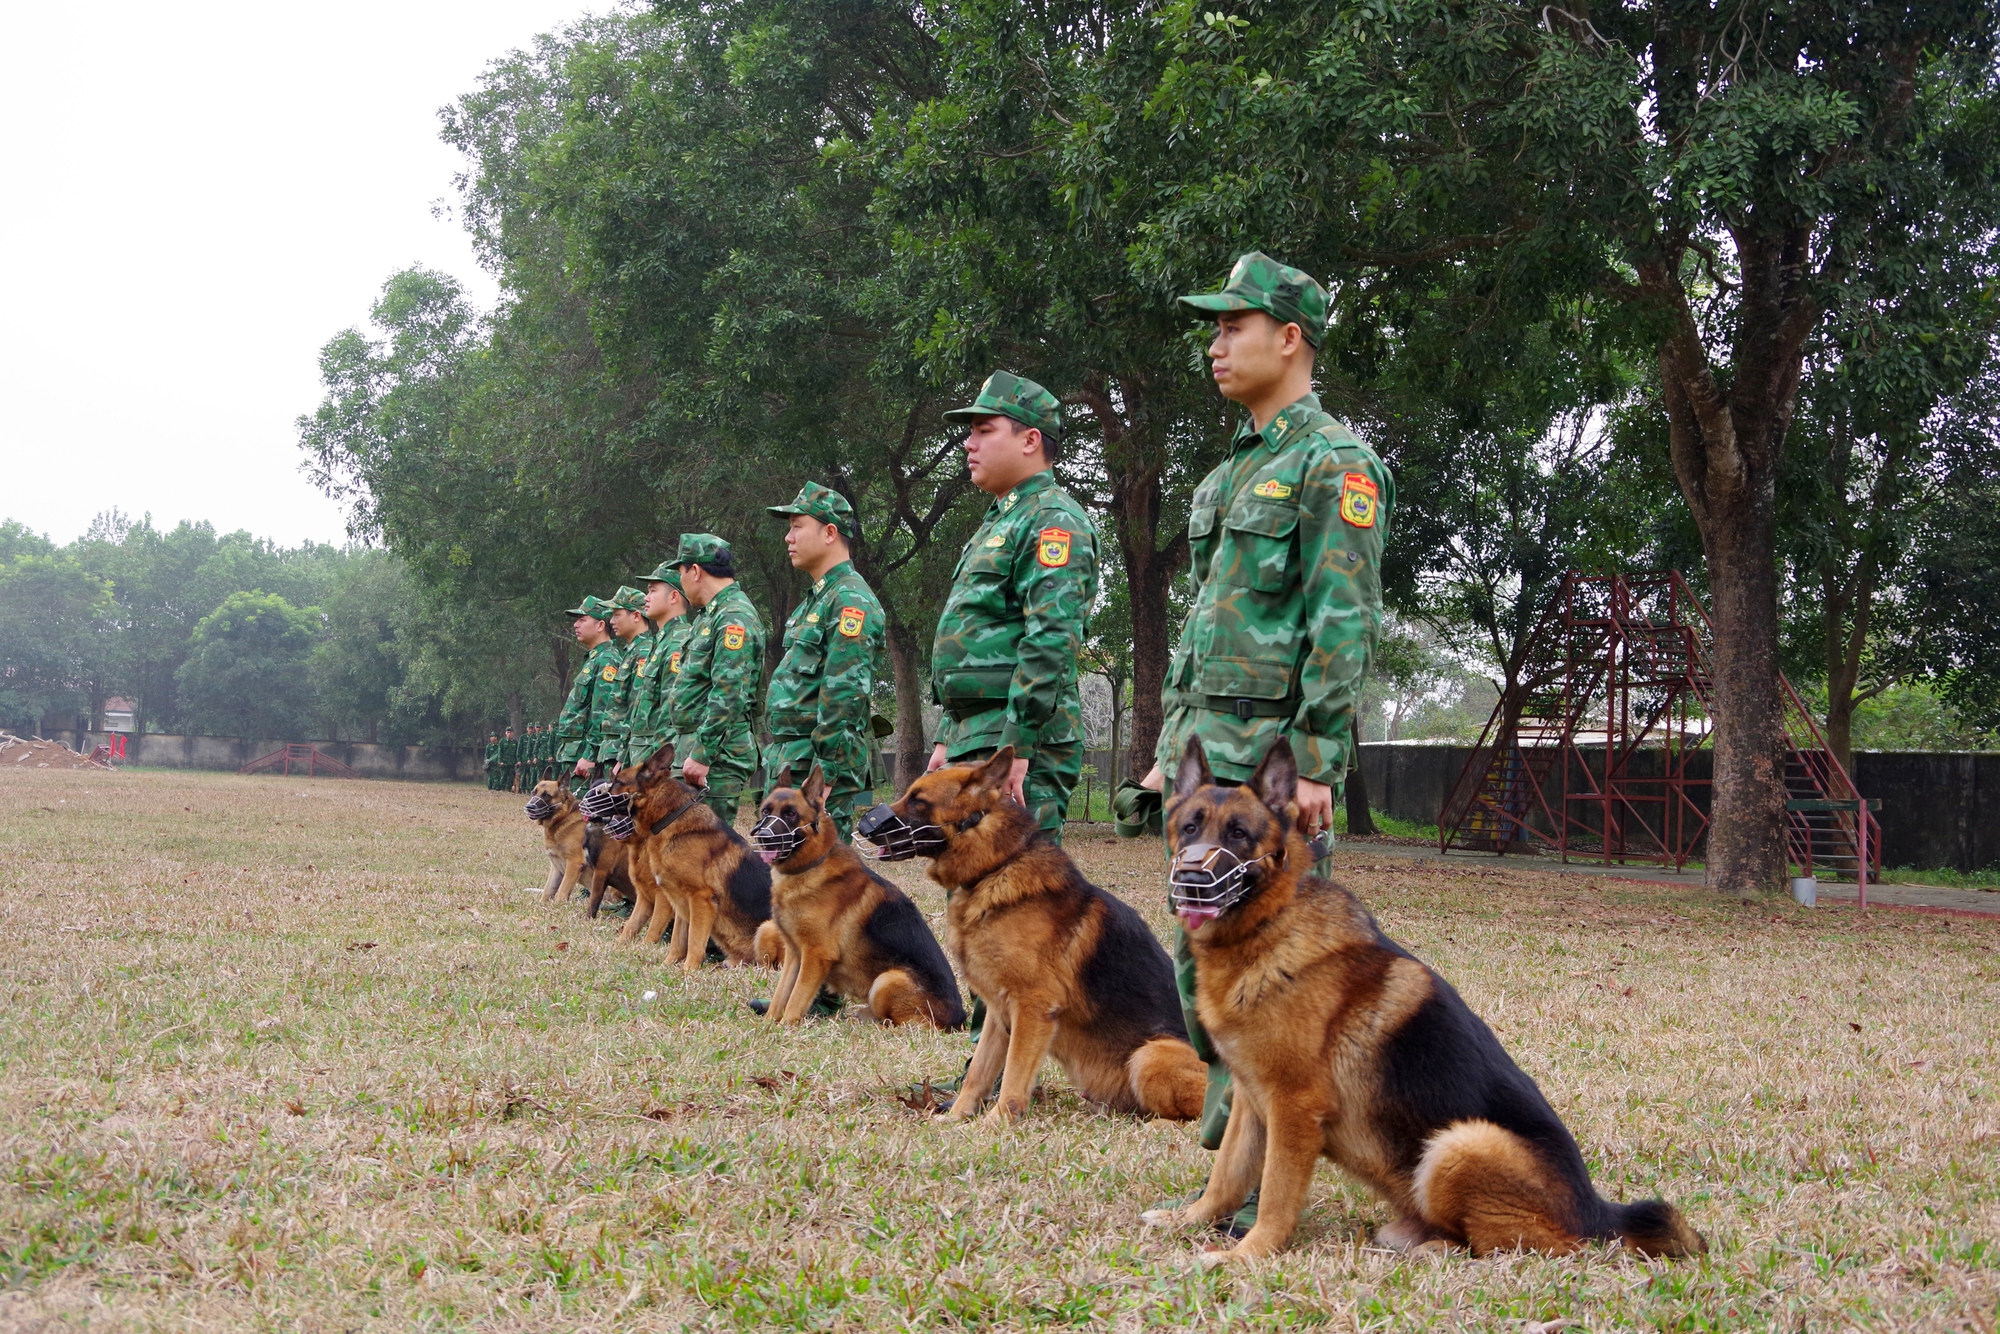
(721, 669)
(510, 750)
(1004, 662)
(1287, 536)
(493, 754)
(615, 726)
(834, 643)
(647, 725)
(573, 729)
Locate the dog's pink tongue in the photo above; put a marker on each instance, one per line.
(770, 858)
(1193, 919)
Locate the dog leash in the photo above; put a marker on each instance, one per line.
(666, 820)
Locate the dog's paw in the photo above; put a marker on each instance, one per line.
(1162, 1218)
(1217, 1256)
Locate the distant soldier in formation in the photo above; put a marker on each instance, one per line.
(1004, 665)
(649, 723)
(543, 757)
(493, 770)
(1287, 534)
(819, 705)
(634, 634)
(592, 628)
(510, 759)
(716, 691)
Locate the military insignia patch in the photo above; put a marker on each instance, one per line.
(997, 540)
(610, 672)
(641, 668)
(732, 637)
(812, 618)
(1358, 500)
(850, 621)
(674, 662)
(1272, 489)
(1052, 547)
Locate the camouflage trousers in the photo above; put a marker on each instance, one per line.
(493, 773)
(1053, 773)
(729, 772)
(849, 794)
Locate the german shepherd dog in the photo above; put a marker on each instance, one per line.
(576, 849)
(842, 926)
(1343, 1044)
(1063, 967)
(692, 871)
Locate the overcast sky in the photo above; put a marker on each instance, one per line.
(193, 199)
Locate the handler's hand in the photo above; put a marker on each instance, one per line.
(584, 768)
(695, 772)
(937, 759)
(1315, 806)
(1154, 779)
(1015, 774)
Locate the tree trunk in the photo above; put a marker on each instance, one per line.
(1746, 840)
(1117, 728)
(516, 713)
(1150, 575)
(904, 655)
(1360, 820)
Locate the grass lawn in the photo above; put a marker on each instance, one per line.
(291, 1054)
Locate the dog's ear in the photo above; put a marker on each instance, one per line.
(1194, 774)
(815, 788)
(1276, 781)
(993, 774)
(657, 767)
(783, 778)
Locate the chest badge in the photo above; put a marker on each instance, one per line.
(997, 540)
(1358, 500)
(732, 637)
(1052, 547)
(812, 618)
(1273, 489)
(850, 621)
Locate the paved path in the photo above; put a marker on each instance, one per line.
(1919, 898)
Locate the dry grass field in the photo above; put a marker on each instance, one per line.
(286, 1054)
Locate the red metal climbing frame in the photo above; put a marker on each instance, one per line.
(310, 760)
(1601, 752)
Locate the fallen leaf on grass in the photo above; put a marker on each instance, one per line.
(778, 1080)
(1856, 1027)
(295, 1108)
(361, 945)
(562, 944)
(1550, 1326)
(925, 1098)
(659, 1113)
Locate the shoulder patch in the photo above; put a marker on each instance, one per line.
(851, 619)
(1272, 489)
(732, 637)
(610, 672)
(1358, 499)
(674, 662)
(1052, 547)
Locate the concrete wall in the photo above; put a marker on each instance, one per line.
(1939, 809)
(228, 754)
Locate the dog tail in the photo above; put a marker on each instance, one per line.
(769, 946)
(1168, 1079)
(1654, 1228)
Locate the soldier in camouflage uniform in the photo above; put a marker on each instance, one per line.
(1287, 534)
(510, 759)
(649, 725)
(493, 770)
(634, 634)
(538, 753)
(716, 692)
(818, 705)
(593, 630)
(1004, 664)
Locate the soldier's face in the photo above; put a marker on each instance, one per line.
(662, 603)
(1001, 454)
(807, 540)
(1249, 355)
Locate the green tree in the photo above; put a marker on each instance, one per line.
(247, 662)
(1699, 186)
(56, 633)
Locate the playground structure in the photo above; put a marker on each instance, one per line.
(1602, 750)
(311, 761)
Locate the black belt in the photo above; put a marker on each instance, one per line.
(1243, 708)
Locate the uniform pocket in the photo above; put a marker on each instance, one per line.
(1248, 678)
(1260, 542)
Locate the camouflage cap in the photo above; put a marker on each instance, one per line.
(1006, 394)
(591, 606)
(665, 573)
(822, 503)
(628, 598)
(699, 548)
(1286, 294)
